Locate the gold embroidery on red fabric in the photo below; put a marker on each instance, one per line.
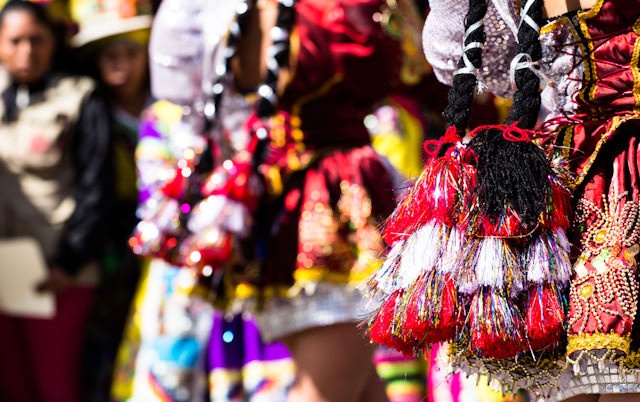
(589, 91)
(635, 59)
(344, 244)
(604, 290)
(605, 300)
(614, 226)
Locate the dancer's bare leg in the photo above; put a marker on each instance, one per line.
(334, 364)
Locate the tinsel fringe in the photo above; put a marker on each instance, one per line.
(492, 283)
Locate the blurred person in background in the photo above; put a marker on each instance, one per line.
(54, 164)
(315, 270)
(317, 78)
(111, 47)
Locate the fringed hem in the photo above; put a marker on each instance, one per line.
(550, 379)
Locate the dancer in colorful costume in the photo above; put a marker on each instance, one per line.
(519, 244)
(111, 46)
(183, 350)
(326, 65)
(55, 172)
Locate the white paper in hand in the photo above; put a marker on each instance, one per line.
(22, 267)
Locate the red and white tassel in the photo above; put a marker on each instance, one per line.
(544, 316)
(496, 328)
(490, 262)
(421, 253)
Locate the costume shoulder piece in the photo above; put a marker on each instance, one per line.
(443, 37)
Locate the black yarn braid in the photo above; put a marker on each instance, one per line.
(526, 100)
(458, 110)
(510, 174)
(514, 174)
(205, 162)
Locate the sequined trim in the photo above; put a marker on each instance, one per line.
(632, 361)
(307, 280)
(327, 305)
(540, 376)
(596, 378)
(304, 277)
(595, 371)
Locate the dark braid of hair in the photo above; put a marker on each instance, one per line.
(215, 91)
(526, 99)
(205, 161)
(514, 174)
(277, 58)
(458, 110)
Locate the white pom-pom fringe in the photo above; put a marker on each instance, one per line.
(452, 249)
(562, 258)
(490, 262)
(385, 277)
(421, 253)
(547, 259)
(538, 261)
(490, 265)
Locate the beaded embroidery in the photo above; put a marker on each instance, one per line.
(614, 226)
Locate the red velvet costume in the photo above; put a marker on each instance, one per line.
(328, 188)
(599, 129)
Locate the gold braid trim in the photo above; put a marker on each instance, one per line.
(632, 361)
(599, 340)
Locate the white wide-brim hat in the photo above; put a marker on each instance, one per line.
(106, 29)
